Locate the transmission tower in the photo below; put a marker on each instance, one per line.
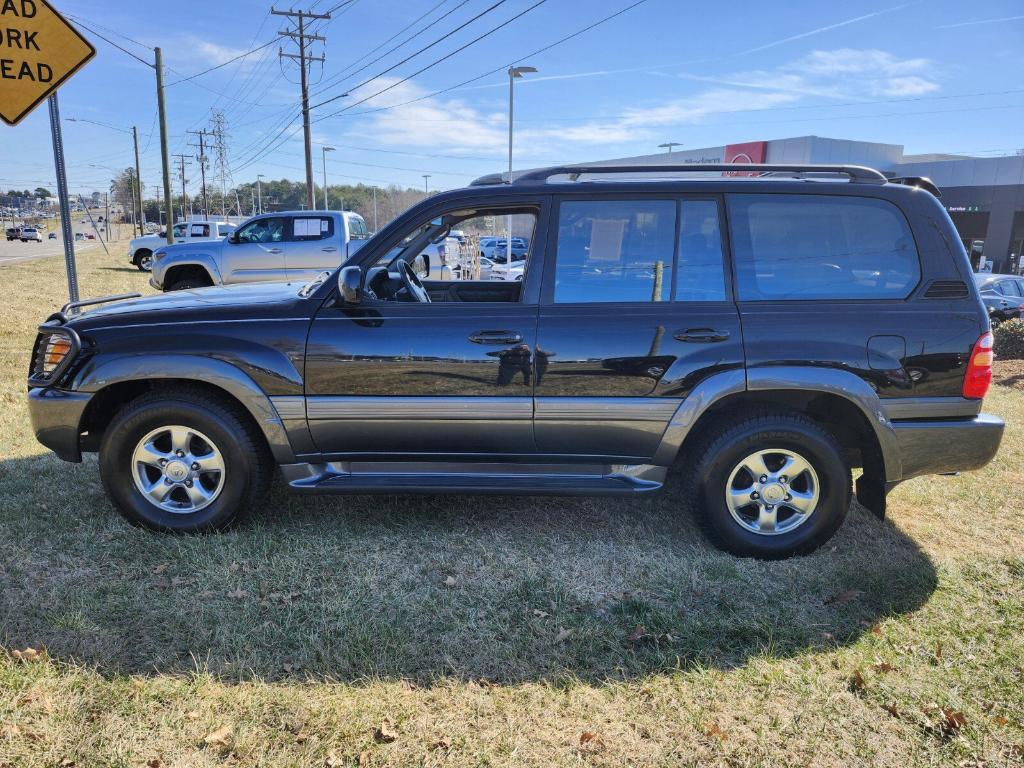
(218, 129)
(201, 158)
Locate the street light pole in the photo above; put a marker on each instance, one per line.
(513, 73)
(325, 151)
(259, 191)
(669, 144)
(426, 183)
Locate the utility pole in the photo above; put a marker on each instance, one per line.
(375, 210)
(138, 177)
(327, 207)
(182, 159)
(302, 38)
(426, 183)
(259, 191)
(165, 159)
(106, 214)
(202, 166)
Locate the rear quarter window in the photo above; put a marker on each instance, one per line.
(794, 247)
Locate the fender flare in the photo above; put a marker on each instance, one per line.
(218, 373)
(832, 381)
(204, 260)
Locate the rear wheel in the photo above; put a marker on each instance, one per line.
(144, 261)
(771, 486)
(183, 460)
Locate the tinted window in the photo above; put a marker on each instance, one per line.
(615, 250)
(1009, 288)
(701, 274)
(357, 228)
(821, 247)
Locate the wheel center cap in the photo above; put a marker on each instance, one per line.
(773, 493)
(177, 471)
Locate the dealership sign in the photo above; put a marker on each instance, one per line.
(749, 153)
(39, 50)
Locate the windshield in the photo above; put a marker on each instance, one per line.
(357, 228)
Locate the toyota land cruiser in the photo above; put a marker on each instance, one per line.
(762, 335)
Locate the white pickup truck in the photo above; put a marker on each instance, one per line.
(290, 245)
(140, 249)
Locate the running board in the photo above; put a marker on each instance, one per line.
(476, 478)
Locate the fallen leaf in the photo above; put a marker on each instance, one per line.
(563, 635)
(540, 614)
(162, 568)
(30, 655)
(856, 682)
(590, 740)
(409, 685)
(154, 762)
(844, 597)
(301, 737)
(192, 715)
(364, 759)
(988, 706)
(443, 743)
(638, 634)
(876, 630)
(891, 709)
(386, 733)
(714, 731)
(1000, 720)
(161, 582)
(952, 721)
(222, 737)
(938, 650)
(238, 594)
(333, 761)
(883, 667)
(450, 581)
(67, 762)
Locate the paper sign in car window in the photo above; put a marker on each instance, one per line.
(307, 228)
(324, 225)
(200, 230)
(606, 239)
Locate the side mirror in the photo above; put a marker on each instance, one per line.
(422, 265)
(233, 237)
(349, 283)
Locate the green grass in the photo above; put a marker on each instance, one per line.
(495, 631)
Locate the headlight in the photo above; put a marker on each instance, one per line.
(55, 349)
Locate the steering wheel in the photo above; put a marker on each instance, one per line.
(412, 283)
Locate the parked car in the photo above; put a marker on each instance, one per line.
(52, 236)
(1003, 296)
(500, 252)
(486, 265)
(292, 245)
(490, 249)
(13, 233)
(31, 234)
(836, 326)
(79, 236)
(514, 271)
(140, 249)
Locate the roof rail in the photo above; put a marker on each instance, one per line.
(855, 173)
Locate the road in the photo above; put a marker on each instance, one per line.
(16, 252)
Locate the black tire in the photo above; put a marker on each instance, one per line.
(248, 465)
(722, 449)
(140, 256)
(187, 283)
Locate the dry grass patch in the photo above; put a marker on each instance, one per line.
(493, 631)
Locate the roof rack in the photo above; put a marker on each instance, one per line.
(855, 173)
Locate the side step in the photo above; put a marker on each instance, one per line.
(482, 478)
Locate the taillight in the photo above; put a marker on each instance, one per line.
(979, 369)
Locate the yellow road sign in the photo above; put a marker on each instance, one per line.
(39, 50)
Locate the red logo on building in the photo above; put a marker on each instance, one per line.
(751, 152)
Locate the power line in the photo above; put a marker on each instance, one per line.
(344, 74)
(225, 63)
(111, 42)
(427, 47)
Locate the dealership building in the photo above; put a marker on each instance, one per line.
(984, 195)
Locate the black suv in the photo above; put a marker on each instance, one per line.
(759, 332)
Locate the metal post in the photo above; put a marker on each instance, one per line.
(138, 180)
(375, 210)
(62, 196)
(259, 191)
(164, 156)
(106, 215)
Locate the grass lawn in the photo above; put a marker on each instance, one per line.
(468, 631)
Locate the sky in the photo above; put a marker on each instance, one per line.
(934, 76)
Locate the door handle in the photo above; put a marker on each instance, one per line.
(701, 335)
(496, 337)
(330, 249)
(273, 250)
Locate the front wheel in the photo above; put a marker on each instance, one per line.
(184, 461)
(144, 261)
(771, 486)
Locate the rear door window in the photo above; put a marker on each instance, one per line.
(312, 228)
(793, 247)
